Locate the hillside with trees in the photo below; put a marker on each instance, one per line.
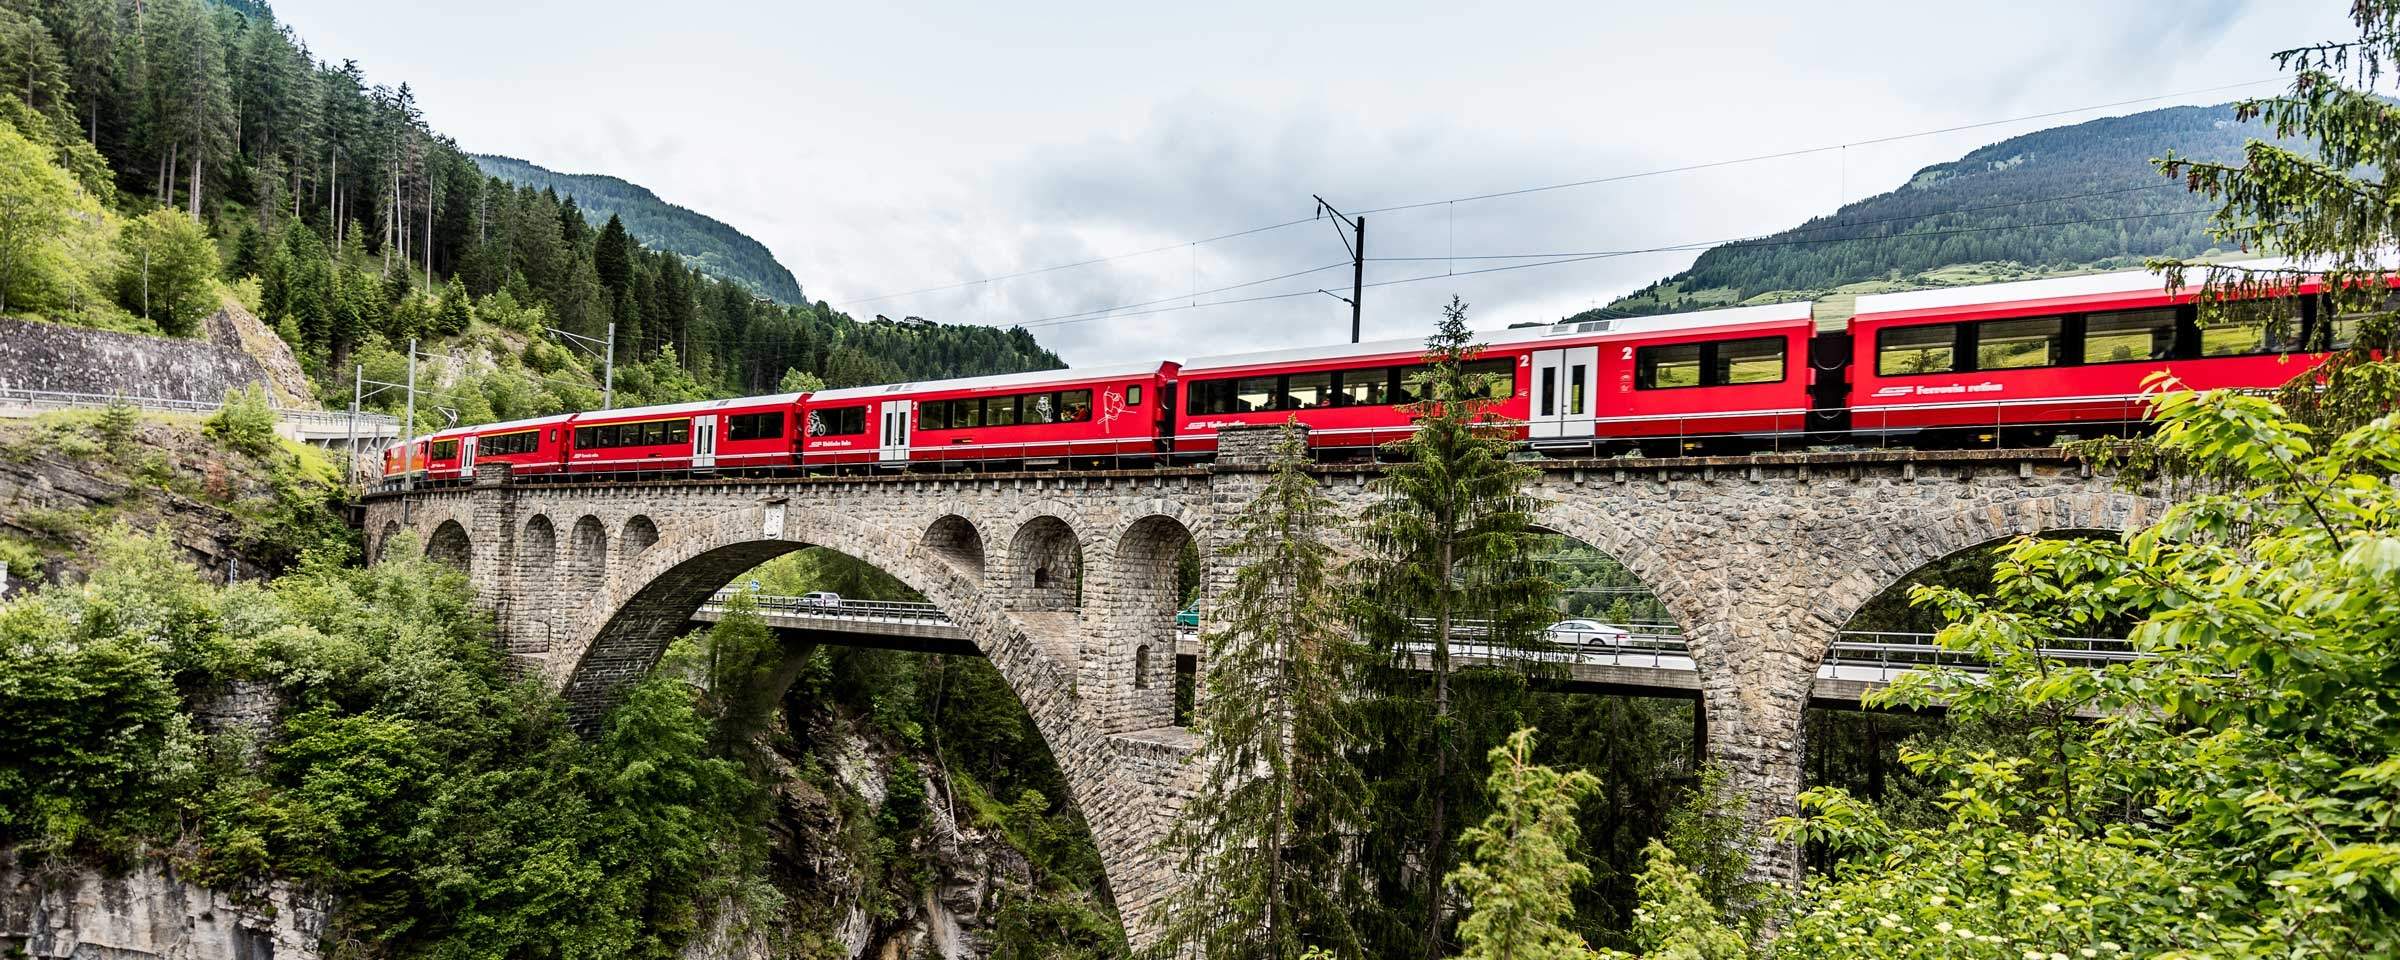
(2077, 197)
(703, 241)
(171, 152)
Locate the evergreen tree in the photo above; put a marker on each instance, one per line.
(1263, 840)
(1451, 542)
(612, 259)
(1521, 871)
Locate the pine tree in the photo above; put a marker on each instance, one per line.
(1452, 542)
(612, 259)
(1521, 870)
(1263, 840)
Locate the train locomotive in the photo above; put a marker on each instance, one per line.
(2020, 362)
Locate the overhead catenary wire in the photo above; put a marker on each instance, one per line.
(1592, 181)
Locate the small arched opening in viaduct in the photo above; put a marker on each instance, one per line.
(1045, 567)
(1132, 666)
(450, 545)
(955, 539)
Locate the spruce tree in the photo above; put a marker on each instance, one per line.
(1452, 553)
(1521, 871)
(1263, 841)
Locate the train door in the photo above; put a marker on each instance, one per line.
(1563, 382)
(895, 430)
(704, 442)
(466, 457)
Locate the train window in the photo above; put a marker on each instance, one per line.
(1039, 408)
(1673, 365)
(754, 426)
(1252, 394)
(2347, 326)
(503, 444)
(1930, 348)
(1209, 396)
(1757, 360)
(679, 431)
(837, 422)
(2233, 336)
(935, 414)
(965, 414)
(2018, 344)
(1308, 391)
(1499, 376)
(1001, 411)
(1364, 388)
(445, 449)
(1133, 395)
(2129, 335)
(1074, 406)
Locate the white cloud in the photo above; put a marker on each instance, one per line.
(879, 148)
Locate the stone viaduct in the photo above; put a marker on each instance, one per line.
(1067, 581)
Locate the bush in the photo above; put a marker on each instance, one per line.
(167, 271)
(245, 423)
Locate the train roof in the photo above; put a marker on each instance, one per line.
(2053, 288)
(515, 424)
(696, 406)
(1030, 379)
(1696, 320)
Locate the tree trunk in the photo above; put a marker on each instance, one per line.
(195, 183)
(1438, 820)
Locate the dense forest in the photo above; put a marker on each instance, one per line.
(2065, 198)
(362, 227)
(703, 241)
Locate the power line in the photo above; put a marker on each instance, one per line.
(1615, 178)
(1581, 257)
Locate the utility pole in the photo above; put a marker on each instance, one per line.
(358, 395)
(408, 439)
(1358, 258)
(606, 350)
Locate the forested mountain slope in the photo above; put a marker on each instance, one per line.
(704, 241)
(173, 148)
(2083, 196)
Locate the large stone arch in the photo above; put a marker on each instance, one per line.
(649, 599)
(450, 544)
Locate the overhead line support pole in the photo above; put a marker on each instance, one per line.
(1357, 242)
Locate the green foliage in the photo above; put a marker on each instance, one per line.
(1451, 539)
(37, 204)
(1262, 843)
(1519, 873)
(245, 422)
(1676, 919)
(166, 271)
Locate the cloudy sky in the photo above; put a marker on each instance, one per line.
(879, 148)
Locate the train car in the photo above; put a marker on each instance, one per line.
(744, 434)
(400, 459)
(530, 447)
(1096, 417)
(1565, 387)
(445, 451)
(2037, 358)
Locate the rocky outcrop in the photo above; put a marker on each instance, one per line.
(233, 325)
(148, 913)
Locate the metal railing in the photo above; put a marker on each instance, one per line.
(1893, 652)
(372, 425)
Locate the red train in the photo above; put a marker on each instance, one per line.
(2009, 362)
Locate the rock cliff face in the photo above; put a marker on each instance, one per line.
(148, 913)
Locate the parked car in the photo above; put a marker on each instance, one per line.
(1188, 617)
(1586, 632)
(823, 598)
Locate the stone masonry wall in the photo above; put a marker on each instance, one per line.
(49, 356)
(1761, 560)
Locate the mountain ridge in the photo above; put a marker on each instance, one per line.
(706, 242)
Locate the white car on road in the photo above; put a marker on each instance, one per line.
(1581, 633)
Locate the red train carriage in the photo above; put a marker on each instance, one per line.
(1102, 416)
(2042, 356)
(445, 451)
(1567, 386)
(530, 447)
(403, 458)
(747, 433)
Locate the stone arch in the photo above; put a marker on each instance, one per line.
(640, 533)
(383, 538)
(589, 557)
(955, 539)
(627, 625)
(1140, 596)
(537, 548)
(450, 544)
(1045, 567)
